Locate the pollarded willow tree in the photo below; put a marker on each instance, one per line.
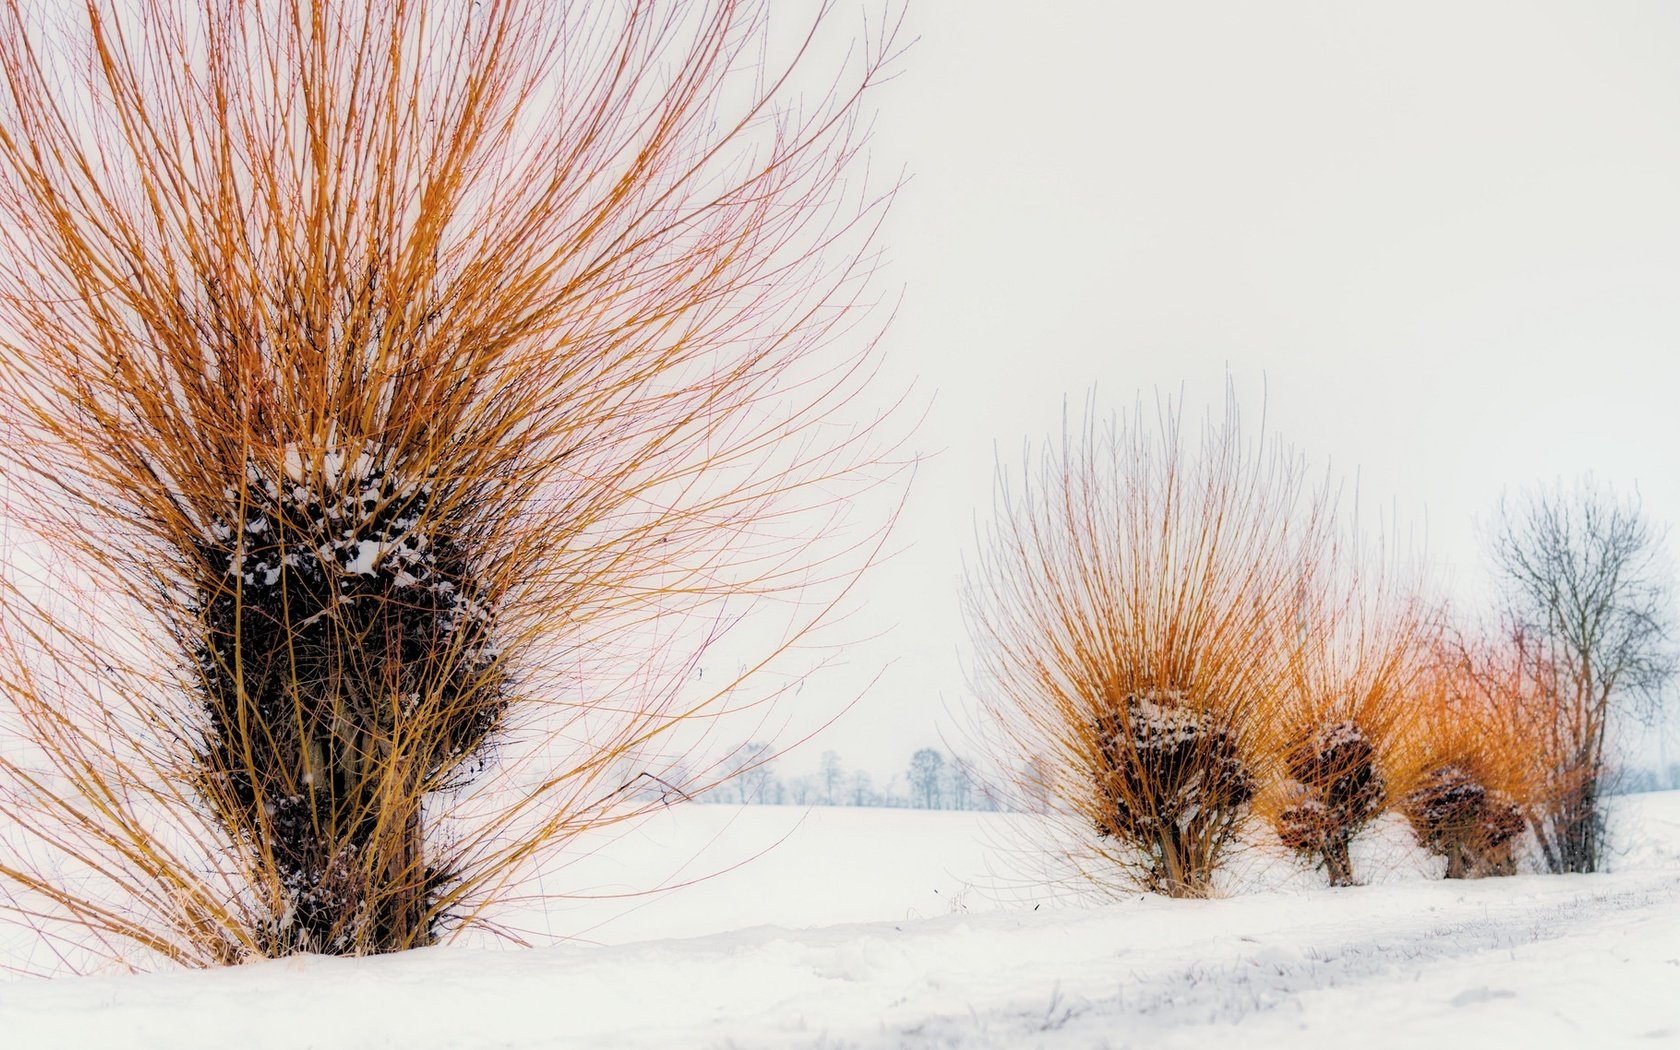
(1348, 708)
(1134, 612)
(397, 390)
(1475, 754)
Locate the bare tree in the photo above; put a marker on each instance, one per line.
(957, 784)
(754, 780)
(861, 792)
(833, 778)
(926, 767)
(1585, 579)
(804, 791)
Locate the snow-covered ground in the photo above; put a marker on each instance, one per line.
(872, 928)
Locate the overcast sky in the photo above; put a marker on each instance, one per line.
(1445, 238)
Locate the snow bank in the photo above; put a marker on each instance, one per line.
(1530, 960)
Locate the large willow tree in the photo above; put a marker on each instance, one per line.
(1136, 606)
(396, 391)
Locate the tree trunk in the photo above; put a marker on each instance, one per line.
(1459, 865)
(1338, 863)
(405, 922)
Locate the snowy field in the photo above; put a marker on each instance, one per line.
(890, 928)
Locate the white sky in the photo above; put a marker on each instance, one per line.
(1444, 236)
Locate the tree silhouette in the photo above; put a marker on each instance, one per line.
(926, 768)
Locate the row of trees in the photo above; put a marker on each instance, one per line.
(932, 781)
(1174, 638)
(1633, 780)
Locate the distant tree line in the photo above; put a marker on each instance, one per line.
(931, 780)
(1636, 780)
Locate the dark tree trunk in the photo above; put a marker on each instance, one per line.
(1338, 864)
(406, 923)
